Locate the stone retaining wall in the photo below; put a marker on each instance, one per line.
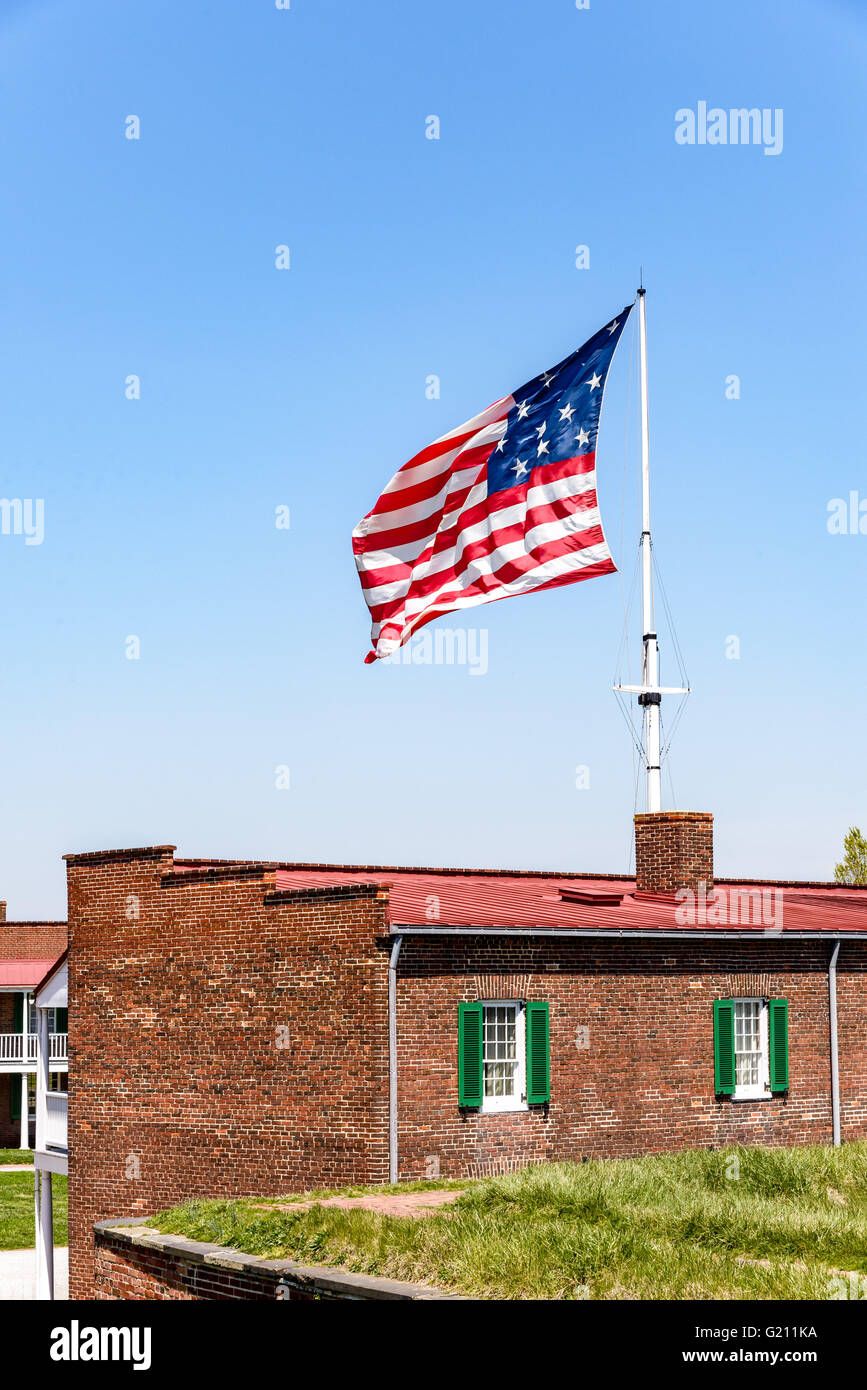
(133, 1261)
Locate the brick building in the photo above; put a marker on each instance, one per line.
(27, 950)
(240, 1028)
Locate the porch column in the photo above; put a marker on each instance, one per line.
(44, 1236)
(42, 1078)
(24, 1142)
(37, 1174)
(25, 1119)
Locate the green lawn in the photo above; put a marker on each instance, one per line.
(736, 1223)
(16, 1210)
(16, 1156)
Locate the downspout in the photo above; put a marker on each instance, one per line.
(392, 1059)
(835, 1060)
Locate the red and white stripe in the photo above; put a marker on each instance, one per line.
(435, 542)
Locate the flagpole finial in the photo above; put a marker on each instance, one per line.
(641, 279)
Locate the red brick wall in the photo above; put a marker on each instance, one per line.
(181, 1082)
(852, 1040)
(646, 1082)
(138, 1273)
(673, 849)
(32, 940)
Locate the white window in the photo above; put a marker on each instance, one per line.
(33, 1021)
(504, 1085)
(752, 1077)
(57, 1081)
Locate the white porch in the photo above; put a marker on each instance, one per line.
(18, 1051)
(52, 1107)
(52, 1135)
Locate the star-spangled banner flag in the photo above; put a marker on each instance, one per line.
(503, 505)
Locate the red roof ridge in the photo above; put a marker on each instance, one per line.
(31, 922)
(314, 867)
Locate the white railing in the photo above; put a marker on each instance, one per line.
(56, 1121)
(21, 1047)
(17, 1047)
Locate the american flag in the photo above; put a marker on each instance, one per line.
(503, 505)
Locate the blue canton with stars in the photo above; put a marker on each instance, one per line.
(556, 415)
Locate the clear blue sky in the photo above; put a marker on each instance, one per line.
(306, 388)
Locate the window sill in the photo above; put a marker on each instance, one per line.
(516, 1109)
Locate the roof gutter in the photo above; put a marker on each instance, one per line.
(629, 933)
(835, 1057)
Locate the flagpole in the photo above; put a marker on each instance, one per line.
(649, 692)
(650, 698)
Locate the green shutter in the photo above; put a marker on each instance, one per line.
(538, 1054)
(778, 1043)
(18, 1017)
(470, 1055)
(724, 1046)
(61, 1024)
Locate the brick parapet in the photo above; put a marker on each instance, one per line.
(135, 1261)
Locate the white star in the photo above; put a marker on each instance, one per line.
(523, 409)
(548, 377)
(540, 429)
(542, 449)
(583, 437)
(615, 325)
(500, 445)
(594, 382)
(520, 469)
(567, 412)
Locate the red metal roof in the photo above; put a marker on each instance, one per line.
(460, 898)
(23, 974)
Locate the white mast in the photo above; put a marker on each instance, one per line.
(650, 692)
(650, 697)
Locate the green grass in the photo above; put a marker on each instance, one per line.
(16, 1156)
(671, 1226)
(16, 1210)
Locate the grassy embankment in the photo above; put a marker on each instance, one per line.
(736, 1223)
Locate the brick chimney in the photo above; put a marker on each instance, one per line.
(673, 849)
(2, 909)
